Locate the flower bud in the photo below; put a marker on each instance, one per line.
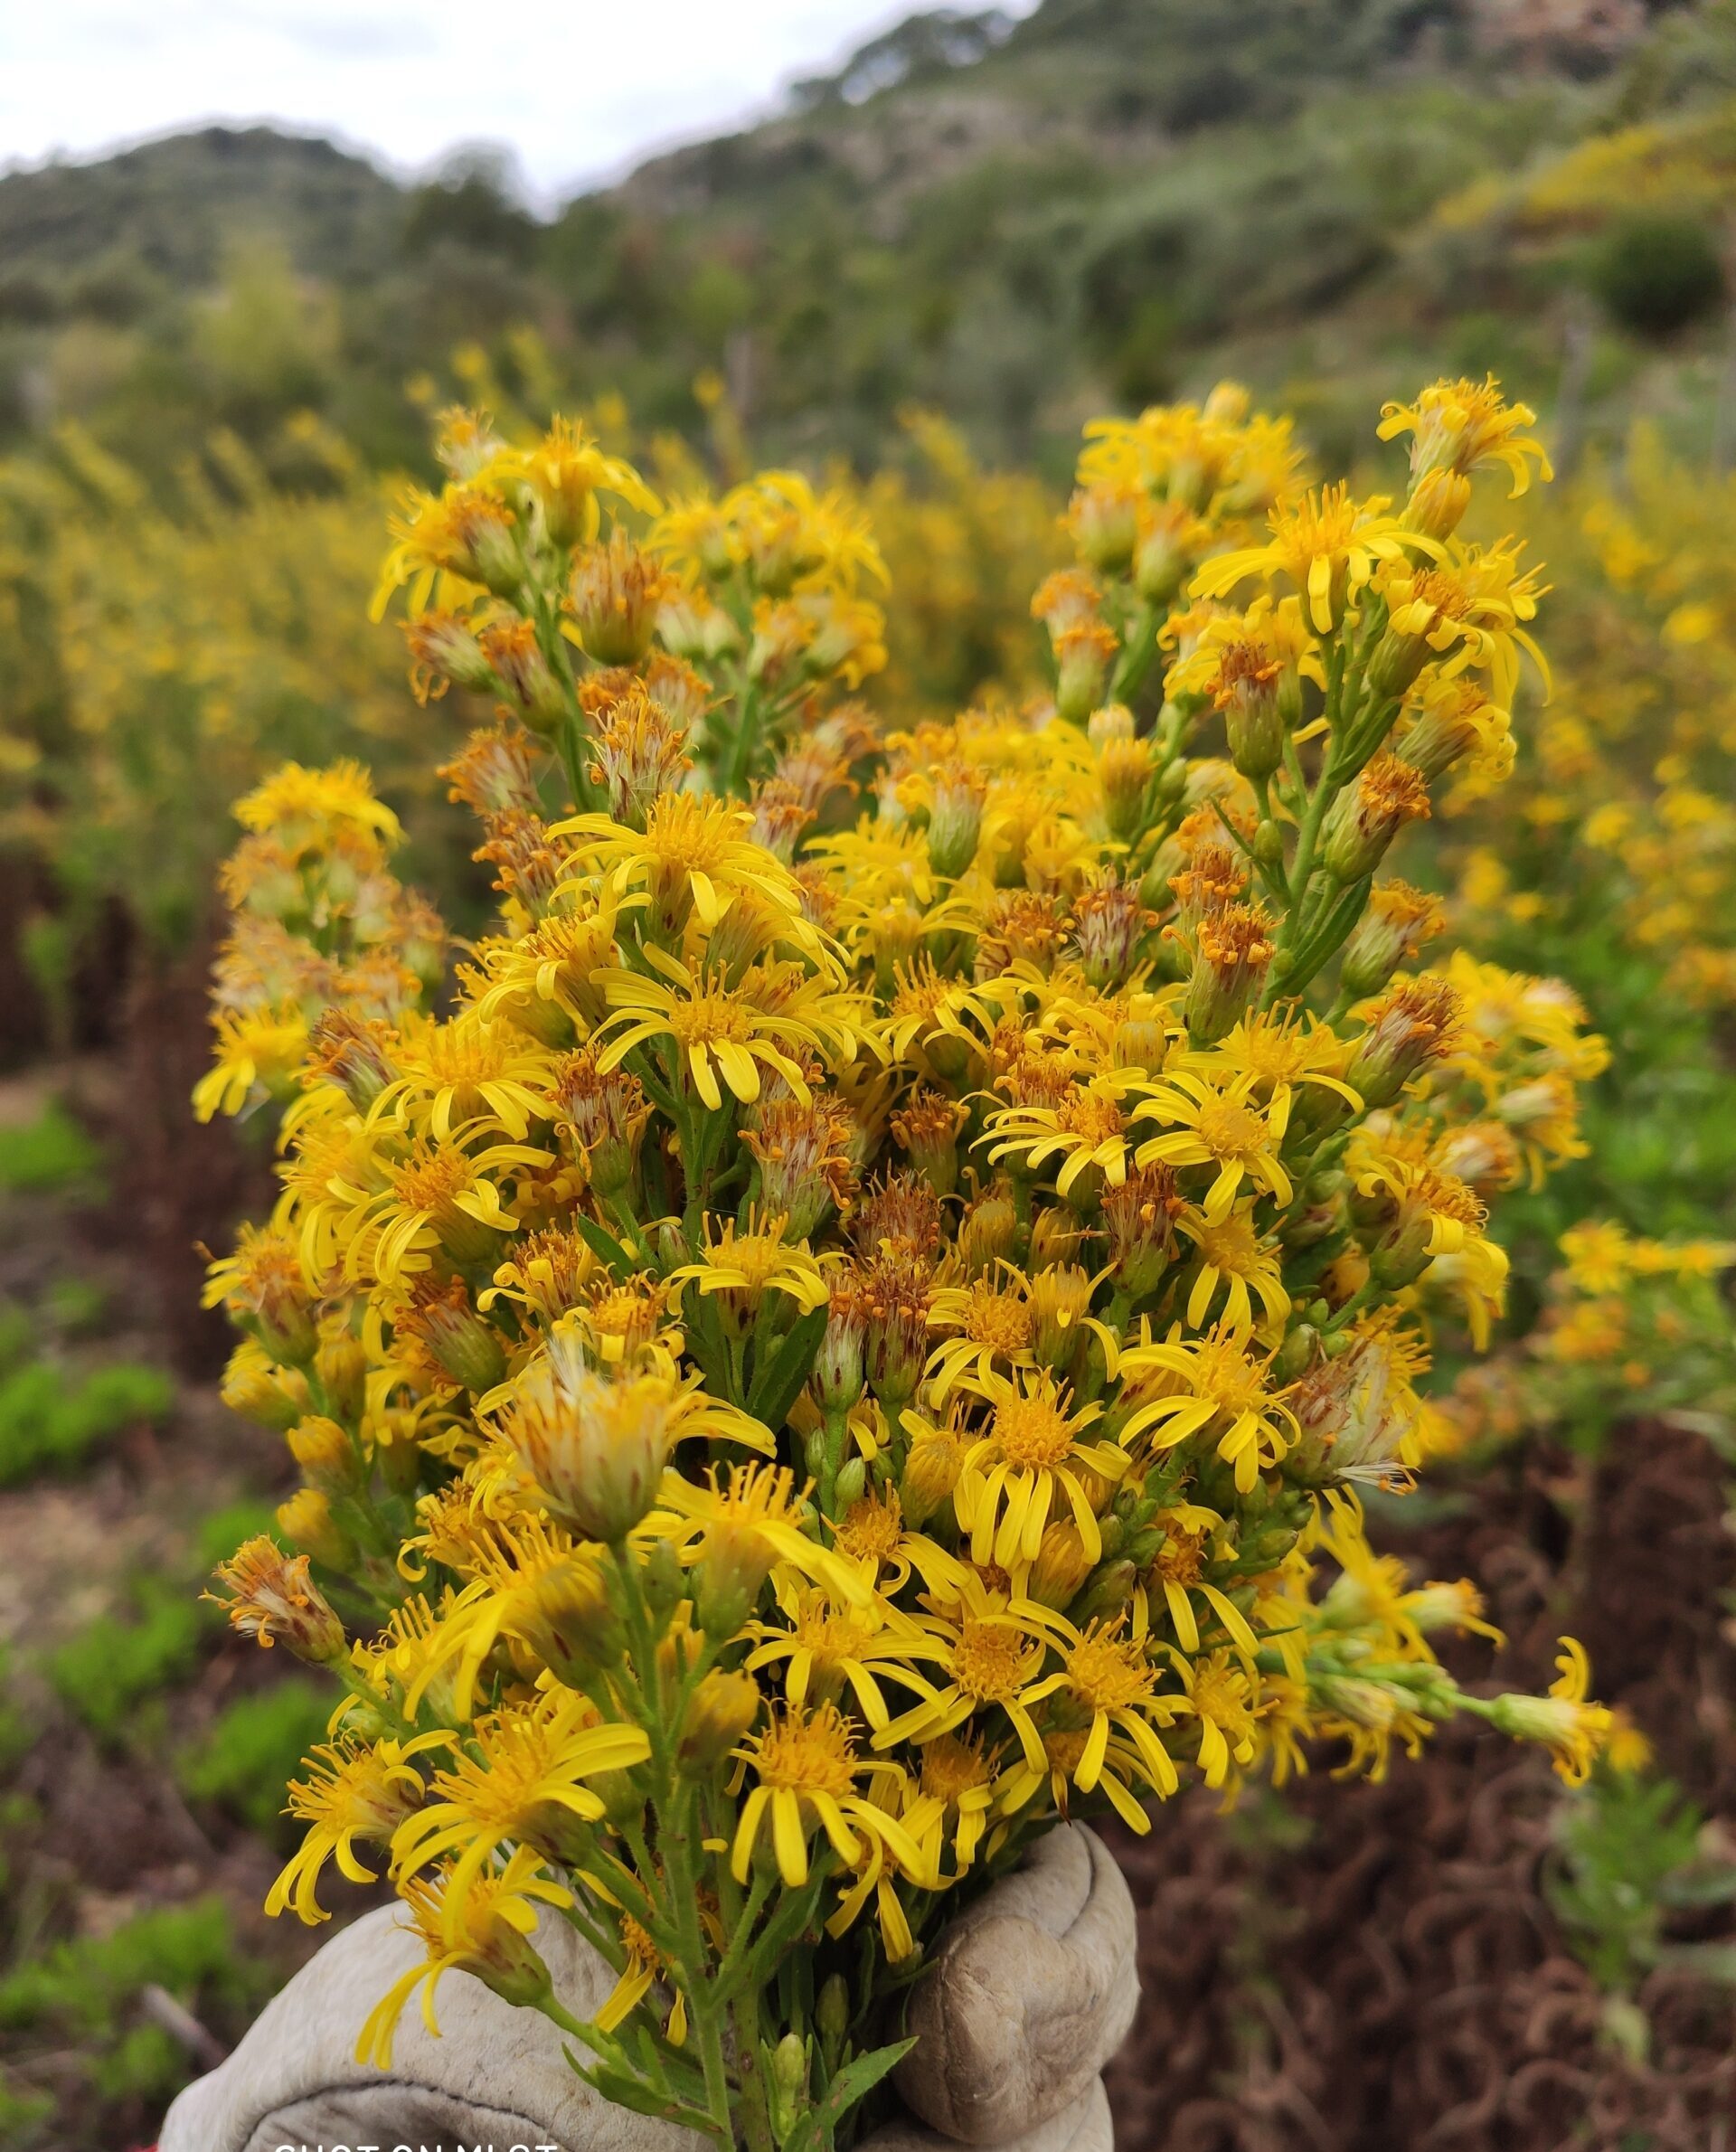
(988, 1231)
(1083, 655)
(1139, 1230)
(571, 1620)
(444, 649)
(272, 1597)
(595, 1445)
(1104, 520)
(326, 1455)
(1061, 1566)
(268, 1395)
(931, 1473)
(897, 1291)
(617, 591)
(1415, 1025)
(837, 1378)
(1398, 921)
(719, 1715)
(1110, 921)
(637, 754)
(1055, 1233)
(956, 818)
(606, 1111)
(1123, 769)
(1232, 949)
(341, 1368)
(306, 1520)
(832, 2010)
(262, 1288)
(927, 1127)
(1365, 818)
(1060, 1297)
(464, 1345)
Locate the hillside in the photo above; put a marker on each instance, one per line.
(1010, 220)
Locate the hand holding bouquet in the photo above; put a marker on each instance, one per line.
(856, 1329)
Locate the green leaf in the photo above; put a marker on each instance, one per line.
(604, 1245)
(621, 2089)
(815, 2130)
(777, 1388)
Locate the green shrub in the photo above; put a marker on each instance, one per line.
(75, 1306)
(82, 1990)
(252, 1749)
(48, 1421)
(1657, 274)
(1628, 1854)
(51, 1154)
(103, 1674)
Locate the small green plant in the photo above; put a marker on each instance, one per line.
(75, 1306)
(252, 1749)
(49, 1420)
(83, 1992)
(1631, 1855)
(107, 1671)
(53, 1154)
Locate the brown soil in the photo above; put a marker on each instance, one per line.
(1384, 1975)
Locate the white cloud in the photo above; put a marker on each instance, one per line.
(577, 88)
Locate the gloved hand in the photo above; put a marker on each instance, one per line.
(1029, 1993)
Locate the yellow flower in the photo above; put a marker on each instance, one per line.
(1031, 1452)
(1460, 426)
(806, 1768)
(1206, 1382)
(1328, 544)
(993, 1654)
(1234, 1258)
(1222, 1699)
(299, 807)
(695, 854)
(1087, 1130)
(716, 1027)
(645, 1964)
(992, 1324)
(1110, 1677)
(354, 1790)
(484, 1928)
(1574, 1730)
(520, 1781)
(454, 1077)
(744, 1263)
(256, 1050)
(827, 1645)
(1215, 1119)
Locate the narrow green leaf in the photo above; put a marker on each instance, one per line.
(777, 1388)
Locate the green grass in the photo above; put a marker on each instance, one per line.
(109, 1670)
(253, 1749)
(50, 1419)
(53, 1154)
(82, 1994)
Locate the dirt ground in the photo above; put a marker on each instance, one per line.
(1377, 1969)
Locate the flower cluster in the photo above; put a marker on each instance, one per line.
(859, 1331)
(1632, 1329)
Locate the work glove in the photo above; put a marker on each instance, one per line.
(1028, 1994)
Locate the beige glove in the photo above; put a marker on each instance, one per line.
(1029, 1994)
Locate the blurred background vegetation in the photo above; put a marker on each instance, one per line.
(219, 356)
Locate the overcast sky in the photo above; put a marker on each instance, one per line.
(578, 88)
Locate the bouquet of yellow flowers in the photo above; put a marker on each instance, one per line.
(855, 1328)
